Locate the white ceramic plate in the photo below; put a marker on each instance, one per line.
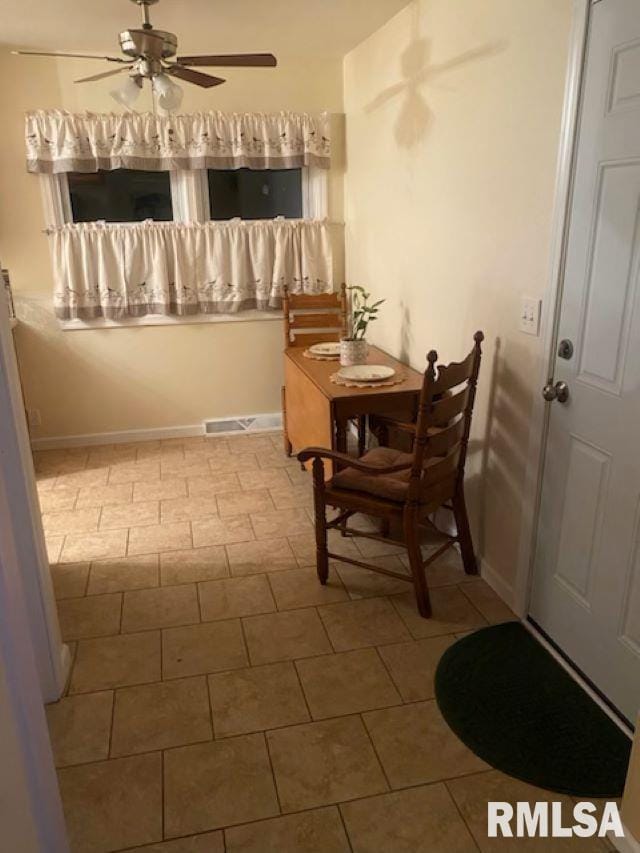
(329, 349)
(366, 372)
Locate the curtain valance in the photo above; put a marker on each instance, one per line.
(116, 271)
(59, 141)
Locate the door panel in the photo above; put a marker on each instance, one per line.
(586, 586)
(584, 501)
(630, 628)
(624, 90)
(612, 277)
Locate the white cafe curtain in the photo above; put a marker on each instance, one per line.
(59, 141)
(116, 271)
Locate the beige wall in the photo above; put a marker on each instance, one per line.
(137, 378)
(448, 202)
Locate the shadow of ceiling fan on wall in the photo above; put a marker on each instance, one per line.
(149, 51)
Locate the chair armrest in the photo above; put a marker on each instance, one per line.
(348, 461)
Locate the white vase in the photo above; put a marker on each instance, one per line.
(353, 352)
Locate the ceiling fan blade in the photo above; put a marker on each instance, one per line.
(190, 76)
(70, 55)
(100, 76)
(238, 60)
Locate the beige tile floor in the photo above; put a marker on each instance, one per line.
(220, 698)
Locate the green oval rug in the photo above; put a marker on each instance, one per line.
(515, 707)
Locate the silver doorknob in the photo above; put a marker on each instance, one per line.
(559, 392)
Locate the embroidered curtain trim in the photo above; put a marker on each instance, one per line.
(116, 271)
(59, 141)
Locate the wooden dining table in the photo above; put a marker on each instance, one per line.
(317, 411)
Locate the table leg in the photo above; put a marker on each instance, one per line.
(341, 435)
(362, 434)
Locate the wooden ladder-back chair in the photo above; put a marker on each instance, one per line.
(407, 487)
(314, 319)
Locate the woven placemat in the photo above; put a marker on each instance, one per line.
(308, 354)
(350, 383)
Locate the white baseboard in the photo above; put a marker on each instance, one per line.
(498, 584)
(134, 435)
(65, 660)
(117, 437)
(628, 844)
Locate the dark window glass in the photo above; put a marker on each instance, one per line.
(123, 195)
(255, 194)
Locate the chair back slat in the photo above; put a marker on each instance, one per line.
(308, 339)
(304, 301)
(316, 321)
(330, 313)
(454, 374)
(441, 440)
(443, 411)
(443, 426)
(434, 472)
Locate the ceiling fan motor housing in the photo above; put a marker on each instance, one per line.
(153, 44)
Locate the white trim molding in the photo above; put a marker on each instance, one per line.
(159, 433)
(502, 589)
(33, 663)
(250, 316)
(628, 844)
(56, 202)
(24, 524)
(551, 303)
(315, 193)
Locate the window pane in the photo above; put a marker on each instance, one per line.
(255, 194)
(123, 195)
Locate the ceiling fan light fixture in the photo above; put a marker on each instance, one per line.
(169, 94)
(128, 93)
(147, 50)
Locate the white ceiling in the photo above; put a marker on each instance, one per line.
(315, 28)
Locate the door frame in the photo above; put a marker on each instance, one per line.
(33, 661)
(552, 301)
(23, 522)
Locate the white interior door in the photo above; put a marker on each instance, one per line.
(586, 589)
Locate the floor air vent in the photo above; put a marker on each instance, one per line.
(257, 423)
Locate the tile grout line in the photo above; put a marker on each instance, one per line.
(273, 772)
(210, 701)
(462, 817)
(88, 582)
(111, 723)
(389, 674)
(344, 825)
(72, 664)
(302, 690)
(163, 821)
(375, 751)
(245, 644)
(120, 624)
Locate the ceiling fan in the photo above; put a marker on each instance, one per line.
(149, 50)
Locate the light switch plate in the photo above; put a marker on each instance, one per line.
(530, 315)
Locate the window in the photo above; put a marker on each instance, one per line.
(255, 194)
(121, 195)
(131, 195)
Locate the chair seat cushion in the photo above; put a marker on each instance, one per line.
(392, 487)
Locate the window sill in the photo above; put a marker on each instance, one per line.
(160, 320)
